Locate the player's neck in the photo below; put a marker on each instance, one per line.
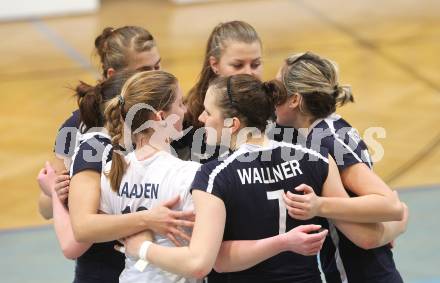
(147, 146)
(251, 139)
(303, 122)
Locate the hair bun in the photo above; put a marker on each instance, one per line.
(107, 32)
(276, 91)
(343, 95)
(100, 41)
(268, 87)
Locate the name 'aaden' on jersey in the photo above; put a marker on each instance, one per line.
(146, 190)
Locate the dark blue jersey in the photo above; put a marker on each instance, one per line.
(341, 259)
(251, 182)
(192, 146)
(100, 263)
(67, 136)
(93, 152)
(342, 141)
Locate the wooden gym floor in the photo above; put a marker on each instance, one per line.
(387, 51)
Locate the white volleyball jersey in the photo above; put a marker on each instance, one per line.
(148, 183)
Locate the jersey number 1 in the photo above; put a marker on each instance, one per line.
(278, 195)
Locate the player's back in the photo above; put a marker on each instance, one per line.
(146, 184)
(251, 183)
(100, 260)
(355, 264)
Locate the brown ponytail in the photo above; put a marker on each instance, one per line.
(89, 100)
(92, 99)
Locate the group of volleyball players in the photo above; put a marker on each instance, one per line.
(238, 181)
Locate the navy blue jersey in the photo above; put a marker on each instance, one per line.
(251, 182)
(341, 259)
(192, 146)
(342, 141)
(67, 136)
(100, 263)
(93, 152)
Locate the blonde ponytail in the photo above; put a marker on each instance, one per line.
(115, 127)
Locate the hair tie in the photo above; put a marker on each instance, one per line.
(228, 89)
(121, 101)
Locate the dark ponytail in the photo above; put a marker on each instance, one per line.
(92, 99)
(89, 101)
(251, 100)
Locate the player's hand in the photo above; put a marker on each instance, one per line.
(302, 240)
(132, 244)
(162, 220)
(305, 206)
(404, 221)
(402, 224)
(46, 179)
(62, 185)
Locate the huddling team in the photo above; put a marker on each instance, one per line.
(238, 181)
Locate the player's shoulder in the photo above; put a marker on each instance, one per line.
(177, 174)
(175, 166)
(73, 121)
(227, 160)
(335, 124)
(332, 123)
(333, 129)
(96, 144)
(186, 167)
(94, 149)
(343, 131)
(92, 138)
(300, 150)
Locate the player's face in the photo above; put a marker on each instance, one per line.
(239, 58)
(175, 115)
(212, 118)
(148, 59)
(284, 113)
